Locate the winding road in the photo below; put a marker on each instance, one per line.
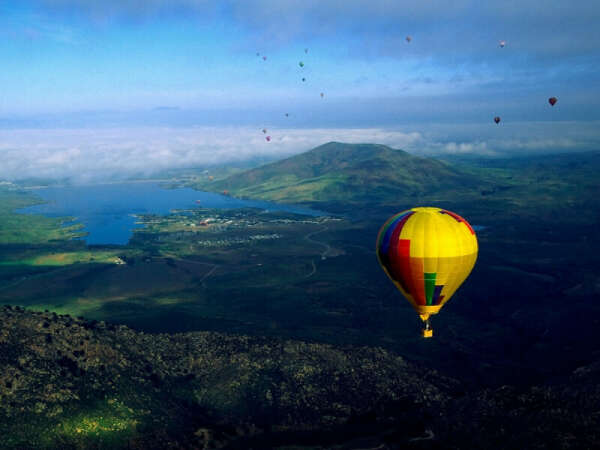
(327, 246)
(323, 244)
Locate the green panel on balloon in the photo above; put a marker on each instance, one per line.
(429, 287)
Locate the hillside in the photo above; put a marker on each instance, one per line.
(347, 173)
(69, 383)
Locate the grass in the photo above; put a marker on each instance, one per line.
(68, 258)
(102, 424)
(108, 423)
(29, 228)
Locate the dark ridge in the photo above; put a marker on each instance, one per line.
(95, 385)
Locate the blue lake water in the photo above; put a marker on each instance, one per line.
(106, 210)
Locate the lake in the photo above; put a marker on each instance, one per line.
(106, 210)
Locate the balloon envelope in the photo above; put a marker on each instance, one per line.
(427, 253)
(268, 138)
(502, 44)
(408, 38)
(301, 64)
(552, 100)
(497, 119)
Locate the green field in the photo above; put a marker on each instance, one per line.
(28, 228)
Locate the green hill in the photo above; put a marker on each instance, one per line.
(347, 173)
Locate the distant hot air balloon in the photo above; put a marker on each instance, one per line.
(552, 100)
(305, 50)
(497, 119)
(502, 44)
(322, 95)
(264, 130)
(210, 177)
(303, 79)
(287, 114)
(264, 58)
(257, 54)
(427, 253)
(408, 39)
(268, 138)
(301, 64)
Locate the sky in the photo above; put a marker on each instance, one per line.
(99, 89)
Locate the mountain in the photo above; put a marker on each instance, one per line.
(69, 383)
(347, 173)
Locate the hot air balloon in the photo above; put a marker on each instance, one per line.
(408, 39)
(303, 79)
(264, 130)
(322, 95)
(257, 54)
(552, 100)
(287, 114)
(502, 44)
(301, 64)
(264, 58)
(497, 119)
(305, 50)
(427, 253)
(268, 138)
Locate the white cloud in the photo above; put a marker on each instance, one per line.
(100, 154)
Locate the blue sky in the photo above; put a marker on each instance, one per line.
(126, 64)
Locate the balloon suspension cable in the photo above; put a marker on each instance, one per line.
(427, 331)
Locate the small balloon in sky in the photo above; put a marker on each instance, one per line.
(268, 138)
(322, 95)
(303, 79)
(287, 114)
(552, 100)
(264, 130)
(264, 58)
(502, 44)
(301, 64)
(305, 50)
(257, 54)
(497, 119)
(408, 39)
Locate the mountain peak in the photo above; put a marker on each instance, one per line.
(345, 173)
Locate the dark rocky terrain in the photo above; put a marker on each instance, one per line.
(72, 383)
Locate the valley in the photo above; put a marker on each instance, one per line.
(280, 274)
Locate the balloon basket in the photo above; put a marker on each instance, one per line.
(427, 333)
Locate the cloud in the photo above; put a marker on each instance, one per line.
(84, 155)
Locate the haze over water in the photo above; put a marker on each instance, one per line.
(107, 210)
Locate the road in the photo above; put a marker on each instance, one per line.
(322, 244)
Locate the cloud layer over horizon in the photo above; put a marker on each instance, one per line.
(95, 155)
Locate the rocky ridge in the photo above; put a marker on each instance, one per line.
(70, 383)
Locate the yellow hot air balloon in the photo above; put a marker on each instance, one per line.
(427, 253)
